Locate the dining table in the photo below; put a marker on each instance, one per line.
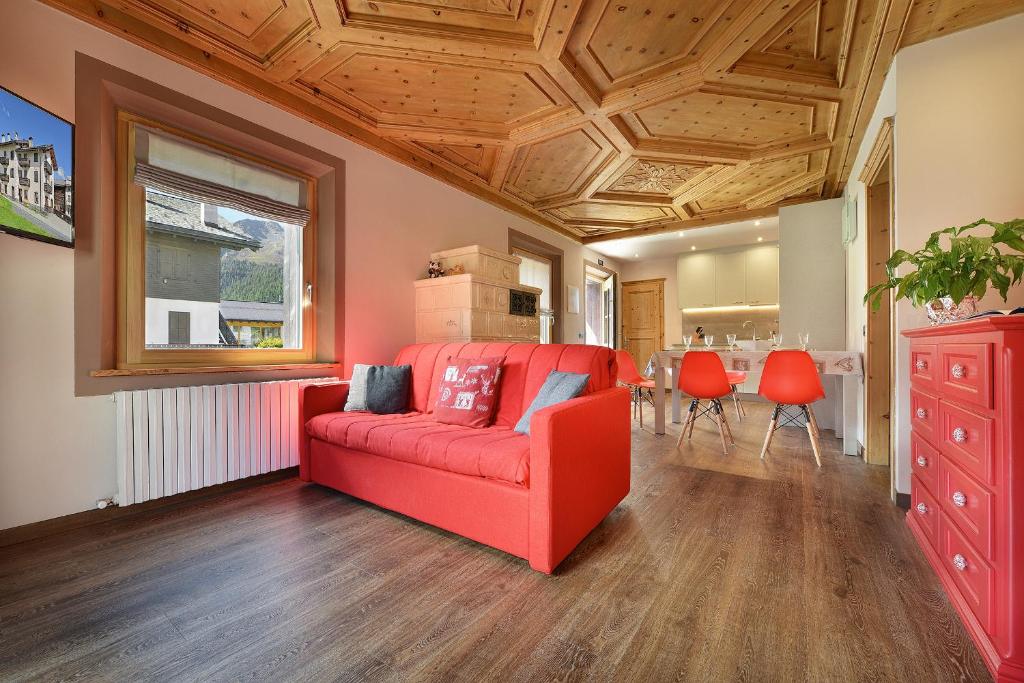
(664, 367)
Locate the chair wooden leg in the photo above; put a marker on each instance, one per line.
(814, 437)
(693, 420)
(736, 404)
(728, 429)
(686, 423)
(771, 431)
(814, 421)
(721, 426)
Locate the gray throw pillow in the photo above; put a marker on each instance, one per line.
(558, 387)
(387, 388)
(357, 388)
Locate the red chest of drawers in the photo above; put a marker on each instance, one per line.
(967, 481)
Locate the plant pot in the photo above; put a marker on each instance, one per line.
(942, 311)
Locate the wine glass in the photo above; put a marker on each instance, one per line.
(709, 339)
(777, 339)
(730, 339)
(805, 340)
(687, 340)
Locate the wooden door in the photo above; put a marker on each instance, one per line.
(878, 178)
(643, 319)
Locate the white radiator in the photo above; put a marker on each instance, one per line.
(175, 440)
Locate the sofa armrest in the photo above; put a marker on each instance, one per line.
(316, 399)
(579, 471)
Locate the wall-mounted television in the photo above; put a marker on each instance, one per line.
(36, 169)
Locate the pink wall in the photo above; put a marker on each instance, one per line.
(56, 449)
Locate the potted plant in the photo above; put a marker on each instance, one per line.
(949, 281)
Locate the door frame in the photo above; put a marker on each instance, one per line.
(616, 291)
(520, 240)
(660, 281)
(879, 180)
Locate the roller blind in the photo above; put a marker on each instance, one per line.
(172, 164)
(534, 272)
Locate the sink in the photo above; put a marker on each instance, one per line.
(751, 345)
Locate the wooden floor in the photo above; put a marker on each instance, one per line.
(715, 568)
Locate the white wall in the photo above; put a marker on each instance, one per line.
(812, 274)
(204, 320)
(56, 450)
(958, 149)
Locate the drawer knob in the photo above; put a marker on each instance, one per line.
(921, 364)
(959, 499)
(958, 371)
(922, 461)
(921, 413)
(922, 509)
(960, 562)
(959, 435)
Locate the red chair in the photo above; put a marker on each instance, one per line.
(631, 377)
(790, 378)
(703, 378)
(737, 378)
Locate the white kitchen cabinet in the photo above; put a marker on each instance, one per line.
(695, 275)
(731, 278)
(762, 265)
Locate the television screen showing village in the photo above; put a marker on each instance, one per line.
(35, 172)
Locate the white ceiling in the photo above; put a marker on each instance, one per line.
(673, 243)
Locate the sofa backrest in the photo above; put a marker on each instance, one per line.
(525, 368)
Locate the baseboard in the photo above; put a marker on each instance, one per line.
(58, 525)
(903, 500)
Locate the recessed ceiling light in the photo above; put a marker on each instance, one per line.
(693, 247)
(636, 255)
(760, 239)
(757, 223)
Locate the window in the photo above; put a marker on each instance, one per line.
(213, 239)
(178, 327)
(35, 175)
(535, 271)
(599, 316)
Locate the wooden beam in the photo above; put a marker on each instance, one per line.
(695, 222)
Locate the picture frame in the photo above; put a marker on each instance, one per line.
(37, 150)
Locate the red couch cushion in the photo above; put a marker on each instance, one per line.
(493, 453)
(468, 394)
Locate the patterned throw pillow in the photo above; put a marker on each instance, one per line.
(468, 394)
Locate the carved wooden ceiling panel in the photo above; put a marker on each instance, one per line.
(596, 118)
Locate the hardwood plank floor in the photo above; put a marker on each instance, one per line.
(714, 568)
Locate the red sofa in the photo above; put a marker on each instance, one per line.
(532, 496)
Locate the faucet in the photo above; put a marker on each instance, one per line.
(753, 328)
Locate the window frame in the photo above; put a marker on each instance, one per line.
(130, 201)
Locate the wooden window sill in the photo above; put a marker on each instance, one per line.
(132, 372)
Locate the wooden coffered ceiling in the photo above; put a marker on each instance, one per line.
(597, 118)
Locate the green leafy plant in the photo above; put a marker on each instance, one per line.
(965, 268)
(270, 343)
